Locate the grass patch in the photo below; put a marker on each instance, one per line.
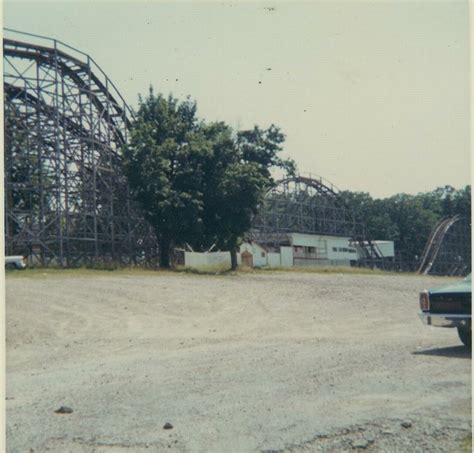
(220, 269)
(41, 272)
(320, 270)
(101, 270)
(98, 271)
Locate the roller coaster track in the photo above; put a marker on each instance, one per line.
(322, 186)
(434, 242)
(328, 190)
(13, 92)
(80, 72)
(66, 197)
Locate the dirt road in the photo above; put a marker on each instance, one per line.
(272, 362)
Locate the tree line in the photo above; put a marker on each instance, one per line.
(408, 219)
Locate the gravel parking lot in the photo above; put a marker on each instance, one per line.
(267, 362)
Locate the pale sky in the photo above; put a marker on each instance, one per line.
(372, 96)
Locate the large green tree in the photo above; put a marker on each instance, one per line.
(237, 176)
(163, 163)
(198, 183)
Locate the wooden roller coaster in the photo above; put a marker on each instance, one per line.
(447, 250)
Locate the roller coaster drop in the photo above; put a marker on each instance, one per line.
(448, 249)
(66, 198)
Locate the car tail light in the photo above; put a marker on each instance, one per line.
(425, 300)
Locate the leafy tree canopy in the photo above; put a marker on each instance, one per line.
(198, 183)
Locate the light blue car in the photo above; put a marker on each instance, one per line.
(449, 306)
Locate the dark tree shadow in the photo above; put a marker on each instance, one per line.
(458, 352)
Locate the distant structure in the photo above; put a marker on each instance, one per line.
(448, 249)
(305, 220)
(66, 198)
(299, 250)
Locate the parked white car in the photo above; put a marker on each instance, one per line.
(17, 261)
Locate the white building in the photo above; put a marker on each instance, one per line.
(254, 255)
(300, 250)
(321, 250)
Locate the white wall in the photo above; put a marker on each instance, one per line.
(286, 256)
(338, 254)
(274, 259)
(195, 259)
(387, 248)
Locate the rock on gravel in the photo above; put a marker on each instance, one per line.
(64, 410)
(360, 443)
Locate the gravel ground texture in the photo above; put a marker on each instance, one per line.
(247, 362)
